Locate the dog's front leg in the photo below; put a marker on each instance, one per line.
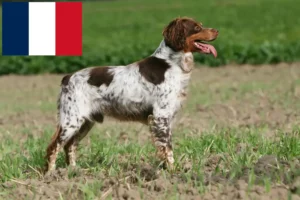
(160, 129)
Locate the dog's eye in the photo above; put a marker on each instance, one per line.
(197, 28)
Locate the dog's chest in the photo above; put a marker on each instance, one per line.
(187, 65)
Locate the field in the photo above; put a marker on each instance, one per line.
(120, 32)
(236, 137)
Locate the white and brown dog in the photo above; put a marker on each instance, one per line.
(148, 91)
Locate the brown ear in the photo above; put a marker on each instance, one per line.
(174, 35)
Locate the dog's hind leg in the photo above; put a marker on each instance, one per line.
(71, 122)
(53, 149)
(63, 136)
(71, 145)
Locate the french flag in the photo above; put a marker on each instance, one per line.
(42, 28)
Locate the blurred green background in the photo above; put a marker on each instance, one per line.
(119, 32)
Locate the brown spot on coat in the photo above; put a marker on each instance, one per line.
(153, 69)
(99, 76)
(65, 80)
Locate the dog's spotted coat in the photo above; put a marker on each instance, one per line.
(149, 91)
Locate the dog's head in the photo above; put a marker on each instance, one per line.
(185, 34)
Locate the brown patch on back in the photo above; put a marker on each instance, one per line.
(99, 76)
(153, 69)
(65, 80)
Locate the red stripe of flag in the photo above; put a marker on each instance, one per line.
(68, 29)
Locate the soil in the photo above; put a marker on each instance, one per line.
(153, 185)
(254, 108)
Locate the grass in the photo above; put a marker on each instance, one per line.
(104, 156)
(204, 152)
(121, 32)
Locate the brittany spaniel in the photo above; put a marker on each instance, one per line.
(150, 91)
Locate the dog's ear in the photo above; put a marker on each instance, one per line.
(174, 34)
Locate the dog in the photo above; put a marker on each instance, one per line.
(150, 91)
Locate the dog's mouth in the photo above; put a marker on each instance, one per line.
(205, 48)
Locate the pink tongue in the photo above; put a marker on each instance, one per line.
(207, 48)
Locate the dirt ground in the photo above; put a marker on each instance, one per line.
(231, 96)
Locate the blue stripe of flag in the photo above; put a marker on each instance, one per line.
(15, 28)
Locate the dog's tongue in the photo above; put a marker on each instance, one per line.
(206, 48)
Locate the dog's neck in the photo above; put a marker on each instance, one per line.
(165, 52)
(184, 60)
